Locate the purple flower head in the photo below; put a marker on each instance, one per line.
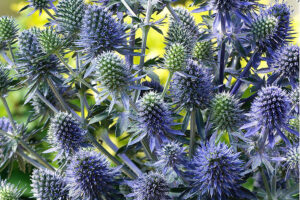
(270, 114)
(193, 88)
(216, 171)
(48, 185)
(153, 121)
(286, 63)
(151, 186)
(100, 32)
(39, 5)
(90, 177)
(65, 134)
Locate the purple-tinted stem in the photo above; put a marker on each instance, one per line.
(222, 66)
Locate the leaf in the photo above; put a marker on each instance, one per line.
(185, 122)
(122, 124)
(200, 124)
(99, 117)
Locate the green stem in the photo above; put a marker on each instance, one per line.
(9, 114)
(29, 160)
(11, 53)
(75, 75)
(173, 13)
(81, 97)
(192, 133)
(111, 157)
(148, 152)
(38, 93)
(58, 96)
(37, 156)
(128, 8)
(266, 184)
(167, 84)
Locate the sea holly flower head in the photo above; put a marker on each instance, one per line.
(226, 112)
(151, 186)
(216, 171)
(9, 191)
(65, 134)
(175, 57)
(152, 121)
(50, 40)
(203, 51)
(8, 29)
(193, 88)
(69, 15)
(100, 32)
(270, 114)
(90, 177)
(48, 185)
(39, 5)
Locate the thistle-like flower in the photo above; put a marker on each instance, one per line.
(65, 134)
(90, 177)
(8, 29)
(153, 121)
(216, 171)
(101, 32)
(270, 114)
(69, 15)
(39, 5)
(175, 58)
(203, 51)
(6, 83)
(9, 191)
(292, 158)
(171, 159)
(286, 63)
(193, 89)
(186, 20)
(33, 63)
(48, 185)
(226, 113)
(151, 186)
(177, 33)
(50, 40)
(115, 78)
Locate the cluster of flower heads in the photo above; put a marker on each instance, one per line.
(219, 133)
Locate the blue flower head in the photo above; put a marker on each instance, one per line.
(194, 88)
(100, 32)
(151, 186)
(90, 177)
(270, 114)
(216, 171)
(286, 63)
(48, 185)
(292, 158)
(153, 121)
(65, 134)
(39, 5)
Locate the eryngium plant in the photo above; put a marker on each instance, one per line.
(194, 88)
(175, 57)
(48, 185)
(90, 177)
(9, 191)
(8, 29)
(216, 171)
(226, 113)
(100, 32)
(151, 186)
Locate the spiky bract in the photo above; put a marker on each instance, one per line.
(65, 133)
(193, 89)
(69, 15)
(8, 29)
(175, 57)
(153, 86)
(153, 121)
(151, 186)
(90, 177)
(47, 185)
(9, 191)
(100, 32)
(270, 113)
(6, 83)
(216, 171)
(226, 113)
